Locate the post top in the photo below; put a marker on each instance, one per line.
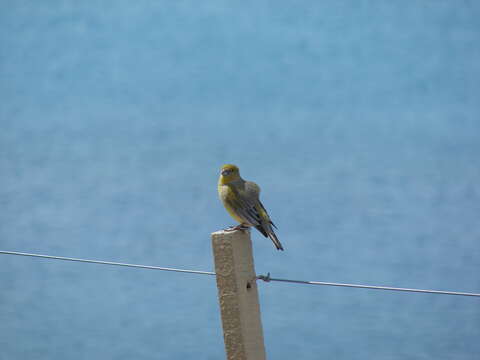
(230, 232)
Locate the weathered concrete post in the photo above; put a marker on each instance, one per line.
(238, 295)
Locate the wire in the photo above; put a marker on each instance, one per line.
(108, 263)
(265, 278)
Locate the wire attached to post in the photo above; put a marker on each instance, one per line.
(267, 278)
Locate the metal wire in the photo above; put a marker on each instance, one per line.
(266, 278)
(108, 263)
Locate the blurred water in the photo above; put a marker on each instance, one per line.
(358, 119)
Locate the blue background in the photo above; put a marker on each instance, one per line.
(359, 119)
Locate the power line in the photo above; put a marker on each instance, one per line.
(266, 278)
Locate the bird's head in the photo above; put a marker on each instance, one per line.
(229, 173)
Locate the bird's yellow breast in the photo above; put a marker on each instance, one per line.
(227, 196)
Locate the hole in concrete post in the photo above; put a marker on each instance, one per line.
(249, 286)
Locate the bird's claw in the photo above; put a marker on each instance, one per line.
(240, 227)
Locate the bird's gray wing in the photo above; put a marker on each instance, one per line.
(263, 207)
(244, 204)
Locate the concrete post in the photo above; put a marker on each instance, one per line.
(238, 295)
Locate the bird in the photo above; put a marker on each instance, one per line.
(241, 200)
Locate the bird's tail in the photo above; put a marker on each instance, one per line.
(267, 231)
(274, 238)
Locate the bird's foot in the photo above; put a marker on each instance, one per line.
(240, 227)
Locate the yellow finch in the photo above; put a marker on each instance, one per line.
(241, 199)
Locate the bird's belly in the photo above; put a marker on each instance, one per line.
(228, 196)
(234, 215)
